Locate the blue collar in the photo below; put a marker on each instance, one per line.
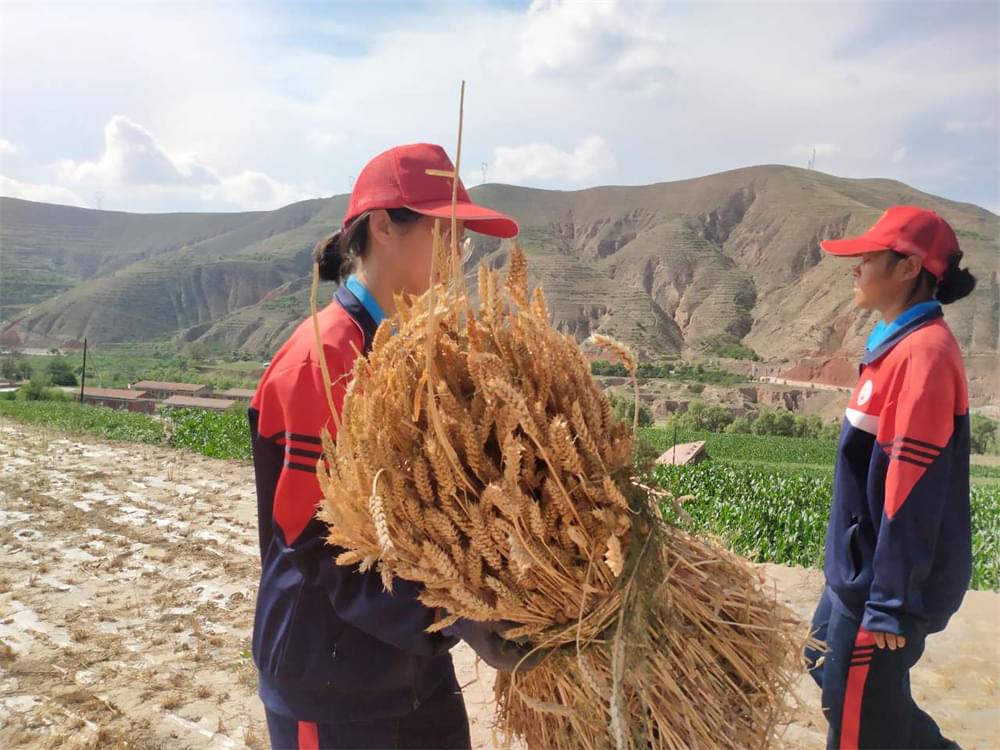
(365, 297)
(884, 331)
(885, 337)
(359, 313)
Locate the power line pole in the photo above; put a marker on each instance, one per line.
(484, 166)
(83, 372)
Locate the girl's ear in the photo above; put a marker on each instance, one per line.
(910, 268)
(379, 225)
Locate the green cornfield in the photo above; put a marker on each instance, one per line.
(774, 514)
(75, 419)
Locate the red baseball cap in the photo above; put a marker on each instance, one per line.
(398, 178)
(908, 230)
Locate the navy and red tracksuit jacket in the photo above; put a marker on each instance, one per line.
(898, 546)
(329, 643)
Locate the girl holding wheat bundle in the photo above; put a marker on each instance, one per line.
(342, 662)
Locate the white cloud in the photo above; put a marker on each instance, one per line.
(134, 163)
(133, 157)
(41, 193)
(323, 139)
(535, 162)
(275, 107)
(608, 42)
(970, 126)
(559, 35)
(899, 154)
(7, 148)
(255, 190)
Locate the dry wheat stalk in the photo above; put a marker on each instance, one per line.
(476, 455)
(502, 511)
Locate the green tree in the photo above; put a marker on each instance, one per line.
(774, 423)
(198, 351)
(984, 434)
(603, 367)
(808, 425)
(742, 425)
(624, 409)
(15, 368)
(39, 389)
(60, 371)
(702, 417)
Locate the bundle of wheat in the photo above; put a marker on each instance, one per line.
(476, 455)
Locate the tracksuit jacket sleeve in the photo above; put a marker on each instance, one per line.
(911, 459)
(287, 446)
(359, 599)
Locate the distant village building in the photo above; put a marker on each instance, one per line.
(235, 394)
(119, 398)
(195, 402)
(160, 390)
(685, 454)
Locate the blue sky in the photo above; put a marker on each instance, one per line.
(199, 106)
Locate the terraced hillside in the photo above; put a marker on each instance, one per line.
(661, 267)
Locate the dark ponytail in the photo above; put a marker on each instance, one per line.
(338, 253)
(956, 283)
(330, 257)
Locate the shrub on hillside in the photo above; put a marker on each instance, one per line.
(727, 345)
(677, 370)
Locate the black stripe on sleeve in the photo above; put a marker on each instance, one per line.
(915, 462)
(304, 453)
(915, 452)
(922, 444)
(304, 438)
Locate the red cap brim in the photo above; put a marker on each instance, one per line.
(475, 217)
(852, 247)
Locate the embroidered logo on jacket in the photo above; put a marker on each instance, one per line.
(865, 394)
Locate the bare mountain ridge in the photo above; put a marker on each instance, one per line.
(659, 266)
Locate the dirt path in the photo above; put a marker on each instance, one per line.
(127, 580)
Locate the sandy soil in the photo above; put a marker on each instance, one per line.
(127, 580)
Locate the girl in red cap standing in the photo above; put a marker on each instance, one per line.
(341, 662)
(898, 547)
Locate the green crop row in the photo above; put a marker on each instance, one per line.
(780, 515)
(214, 434)
(93, 420)
(770, 449)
